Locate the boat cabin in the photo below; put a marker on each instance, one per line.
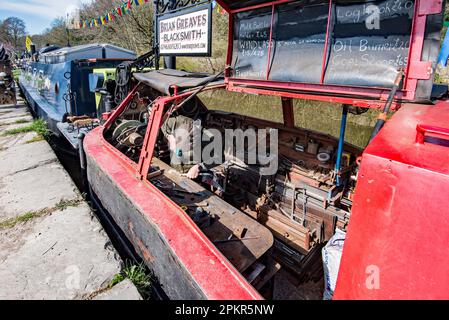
(240, 227)
(57, 86)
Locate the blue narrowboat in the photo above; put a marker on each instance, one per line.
(59, 84)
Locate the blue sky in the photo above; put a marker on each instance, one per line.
(37, 14)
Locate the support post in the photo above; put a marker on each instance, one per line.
(170, 61)
(341, 143)
(287, 111)
(156, 34)
(154, 124)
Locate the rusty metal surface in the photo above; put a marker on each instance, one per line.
(228, 220)
(7, 84)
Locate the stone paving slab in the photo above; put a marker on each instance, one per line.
(48, 249)
(20, 118)
(12, 126)
(24, 157)
(13, 114)
(36, 189)
(65, 255)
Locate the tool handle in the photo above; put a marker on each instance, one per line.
(383, 116)
(422, 130)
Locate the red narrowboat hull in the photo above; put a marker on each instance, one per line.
(396, 246)
(186, 263)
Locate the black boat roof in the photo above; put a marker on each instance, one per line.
(164, 80)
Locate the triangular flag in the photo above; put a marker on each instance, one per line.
(136, 2)
(119, 11)
(129, 5)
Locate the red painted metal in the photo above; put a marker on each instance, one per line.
(307, 88)
(224, 5)
(396, 245)
(230, 46)
(244, 87)
(193, 249)
(420, 70)
(422, 130)
(430, 7)
(154, 124)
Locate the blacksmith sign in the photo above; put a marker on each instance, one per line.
(186, 32)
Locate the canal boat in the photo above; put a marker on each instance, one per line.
(60, 86)
(236, 231)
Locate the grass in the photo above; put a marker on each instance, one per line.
(12, 222)
(36, 139)
(64, 204)
(20, 121)
(39, 126)
(30, 215)
(138, 276)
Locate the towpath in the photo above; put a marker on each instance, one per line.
(51, 245)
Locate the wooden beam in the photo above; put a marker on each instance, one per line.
(287, 111)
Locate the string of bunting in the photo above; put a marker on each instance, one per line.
(121, 11)
(115, 13)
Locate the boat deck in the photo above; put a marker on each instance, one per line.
(240, 238)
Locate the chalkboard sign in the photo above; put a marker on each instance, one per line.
(368, 41)
(298, 42)
(251, 42)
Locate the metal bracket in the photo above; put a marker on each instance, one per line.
(421, 70)
(427, 7)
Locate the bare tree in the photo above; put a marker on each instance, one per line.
(13, 31)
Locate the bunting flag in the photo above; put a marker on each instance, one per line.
(113, 14)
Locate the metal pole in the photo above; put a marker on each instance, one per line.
(155, 34)
(341, 143)
(67, 31)
(382, 118)
(170, 61)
